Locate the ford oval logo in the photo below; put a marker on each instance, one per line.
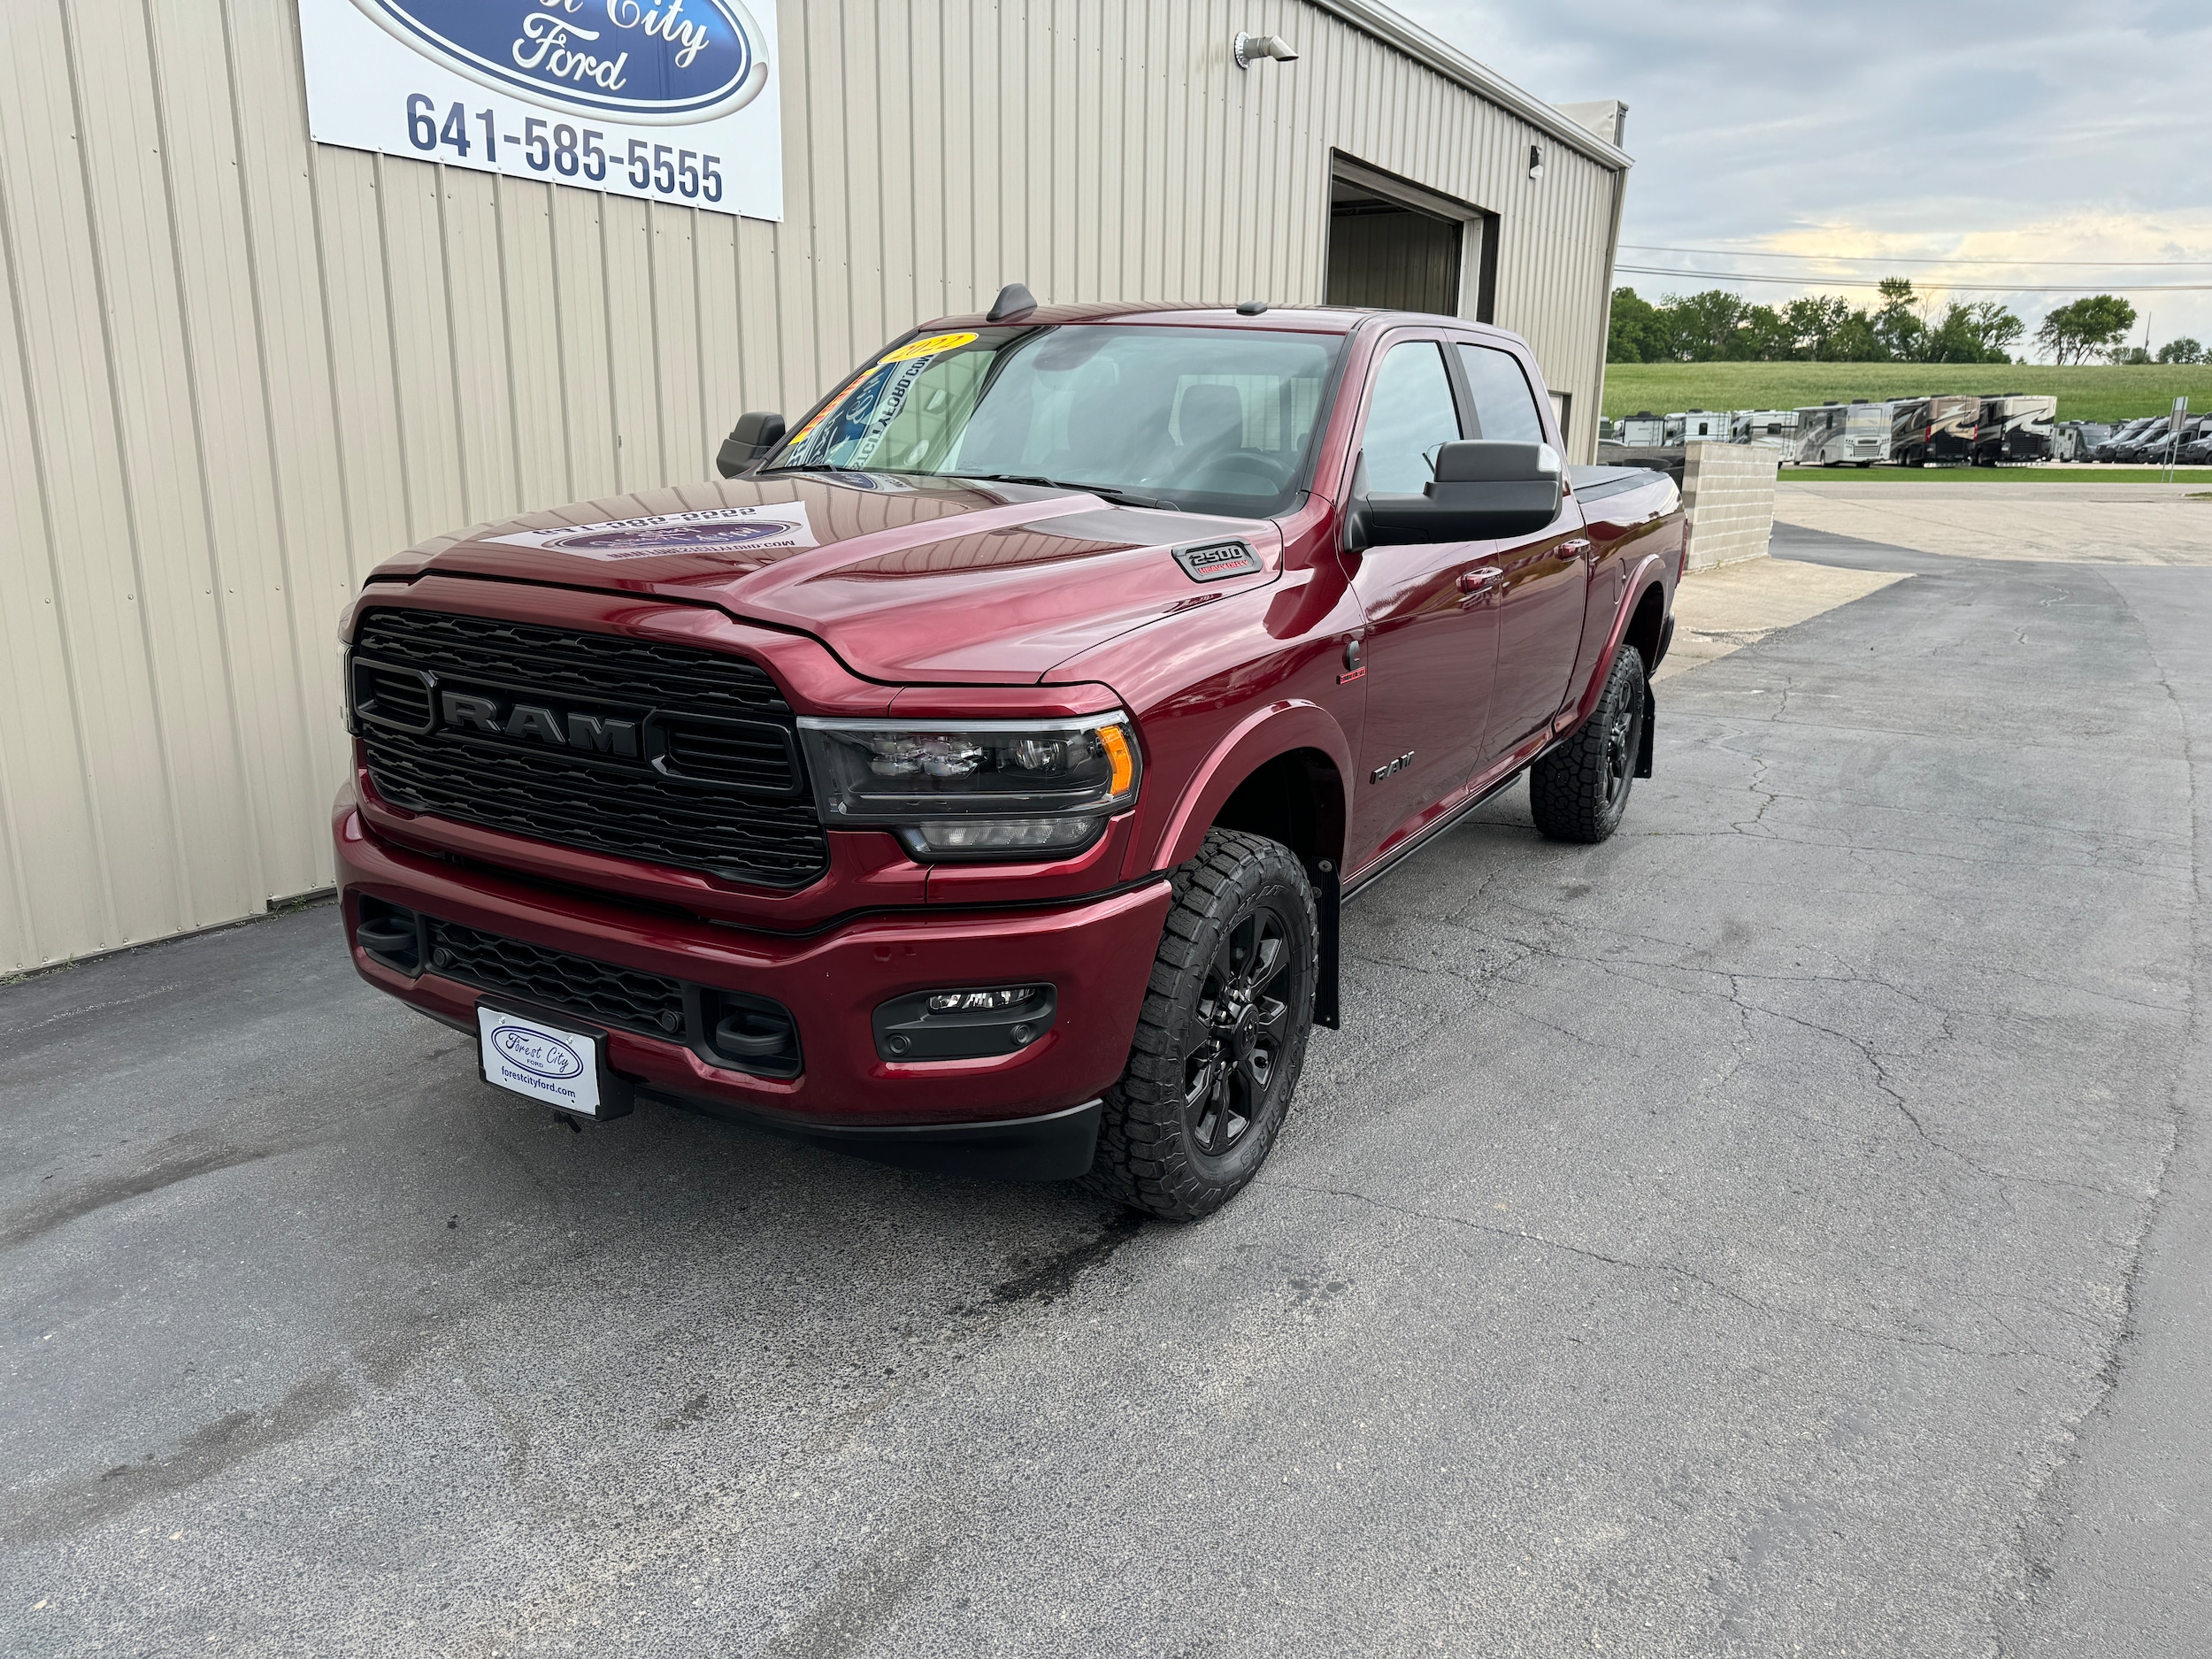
(652, 63)
(534, 1052)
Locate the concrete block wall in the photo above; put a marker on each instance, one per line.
(1728, 492)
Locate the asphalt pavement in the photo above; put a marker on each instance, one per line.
(1781, 1229)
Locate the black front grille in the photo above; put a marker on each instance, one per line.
(599, 668)
(672, 754)
(649, 1002)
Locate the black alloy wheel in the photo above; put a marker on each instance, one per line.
(1221, 1038)
(1623, 728)
(1235, 1044)
(1579, 791)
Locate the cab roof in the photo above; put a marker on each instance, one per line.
(1333, 320)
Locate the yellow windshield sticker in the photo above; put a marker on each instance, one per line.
(928, 347)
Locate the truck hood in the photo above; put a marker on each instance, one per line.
(907, 581)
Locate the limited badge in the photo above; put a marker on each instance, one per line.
(1216, 561)
(928, 347)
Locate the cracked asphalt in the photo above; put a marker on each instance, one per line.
(1782, 1229)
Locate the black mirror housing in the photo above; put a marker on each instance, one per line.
(1483, 487)
(755, 435)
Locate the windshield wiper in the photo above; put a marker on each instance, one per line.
(1104, 492)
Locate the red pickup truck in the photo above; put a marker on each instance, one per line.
(970, 778)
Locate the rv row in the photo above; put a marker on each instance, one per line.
(1948, 431)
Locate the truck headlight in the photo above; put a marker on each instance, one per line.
(975, 788)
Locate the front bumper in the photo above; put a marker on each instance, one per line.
(1003, 1115)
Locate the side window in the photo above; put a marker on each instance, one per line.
(1412, 412)
(1504, 406)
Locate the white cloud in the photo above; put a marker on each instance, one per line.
(1972, 129)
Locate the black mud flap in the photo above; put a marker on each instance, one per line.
(1643, 743)
(1327, 899)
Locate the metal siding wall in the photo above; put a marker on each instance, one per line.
(241, 369)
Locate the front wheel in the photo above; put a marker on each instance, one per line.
(1579, 790)
(1222, 1038)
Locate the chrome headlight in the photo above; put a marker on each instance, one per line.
(975, 788)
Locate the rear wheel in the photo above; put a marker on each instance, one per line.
(1578, 792)
(1222, 1038)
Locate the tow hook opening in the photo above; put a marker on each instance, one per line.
(748, 1033)
(392, 935)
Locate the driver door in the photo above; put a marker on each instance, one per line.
(1430, 647)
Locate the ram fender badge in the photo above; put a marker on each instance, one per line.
(1397, 765)
(1216, 561)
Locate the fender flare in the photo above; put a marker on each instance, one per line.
(1648, 573)
(1286, 724)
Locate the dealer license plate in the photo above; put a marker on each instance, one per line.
(546, 1063)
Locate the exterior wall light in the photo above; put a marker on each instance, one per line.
(1535, 161)
(1249, 46)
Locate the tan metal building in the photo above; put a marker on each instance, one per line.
(242, 367)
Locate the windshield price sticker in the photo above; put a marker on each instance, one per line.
(931, 347)
(668, 100)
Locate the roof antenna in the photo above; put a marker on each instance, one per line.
(1014, 300)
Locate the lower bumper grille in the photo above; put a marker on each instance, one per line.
(727, 1028)
(617, 997)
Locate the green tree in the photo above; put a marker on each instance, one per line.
(1766, 335)
(2075, 332)
(1636, 332)
(1897, 323)
(1855, 340)
(1812, 322)
(1975, 333)
(2185, 350)
(1702, 327)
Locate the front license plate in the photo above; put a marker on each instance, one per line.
(547, 1063)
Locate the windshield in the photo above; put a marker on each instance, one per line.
(1867, 418)
(1207, 420)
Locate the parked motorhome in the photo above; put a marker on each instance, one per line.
(1698, 425)
(1766, 425)
(1908, 430)
(1948, 434)
(2014, 427)
(1843, 434)
(2077, 439)
(1643, 430)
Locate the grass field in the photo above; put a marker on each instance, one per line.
(1997, 474)
(2100, 392)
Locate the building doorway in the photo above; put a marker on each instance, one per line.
(1395, 245)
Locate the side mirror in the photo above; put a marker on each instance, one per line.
(1483, 487)
(753, 436)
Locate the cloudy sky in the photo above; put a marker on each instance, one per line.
(1962, 130)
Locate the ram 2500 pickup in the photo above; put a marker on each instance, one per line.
(973, 775)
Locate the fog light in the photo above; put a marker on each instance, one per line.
(964, 1024)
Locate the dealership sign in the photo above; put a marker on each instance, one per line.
(671, 100)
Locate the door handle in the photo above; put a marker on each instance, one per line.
(1479, 579)
(1576, 547)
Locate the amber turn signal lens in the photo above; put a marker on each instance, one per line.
(1118, 751)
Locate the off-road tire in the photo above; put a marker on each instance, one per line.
(1578, 792)
(1152, 1154)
